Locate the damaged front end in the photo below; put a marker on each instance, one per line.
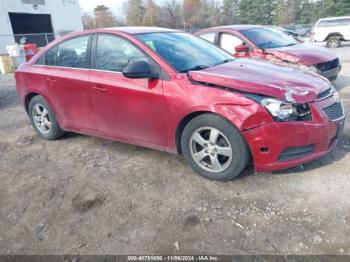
(306, 114)
(328, 68)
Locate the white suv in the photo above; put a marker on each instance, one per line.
(333, 30)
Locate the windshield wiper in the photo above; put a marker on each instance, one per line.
(195, 68)
(226, 61)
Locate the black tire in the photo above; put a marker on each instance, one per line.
(240, 151)
(334, 42)
(54, 132)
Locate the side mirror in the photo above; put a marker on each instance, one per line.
(140, 69)
(241, 48)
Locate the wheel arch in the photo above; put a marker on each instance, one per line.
(335, 34)
(27, 99)
(185, 120)
(33, 93)
(181, 126)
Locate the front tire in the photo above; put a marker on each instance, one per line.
(43, 119)
(214, 148)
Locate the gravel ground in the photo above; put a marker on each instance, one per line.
(85, 195)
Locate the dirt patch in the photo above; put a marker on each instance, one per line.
(88, 198)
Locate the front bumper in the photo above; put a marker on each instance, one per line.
(331, 74)
(280, 145)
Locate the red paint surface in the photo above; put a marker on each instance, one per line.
(305, 54)
(265, 78)
(149, 112)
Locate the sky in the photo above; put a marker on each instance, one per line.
(114, 5)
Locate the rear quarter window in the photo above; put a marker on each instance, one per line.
(210, 37)
(70, 53)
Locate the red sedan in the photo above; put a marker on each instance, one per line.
(272, 44)
(175, 92)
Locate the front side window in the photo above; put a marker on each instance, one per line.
(114, 53)
(265, 38)
(70, 53)
(185, 52)
(229, 42)
(210, 37)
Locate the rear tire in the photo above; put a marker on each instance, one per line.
(43, 119)
(334, 42)
(214, 148)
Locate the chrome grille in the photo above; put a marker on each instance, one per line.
(334, 111)
(325, 94)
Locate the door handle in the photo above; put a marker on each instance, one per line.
(51, 80)
(99, 90)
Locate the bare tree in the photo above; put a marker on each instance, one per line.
(170, 14)
(88, 21)
(134, 12)
(192, 13)
(151, 14)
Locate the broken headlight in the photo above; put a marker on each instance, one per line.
(283, 111)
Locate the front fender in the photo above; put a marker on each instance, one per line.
(244, 117)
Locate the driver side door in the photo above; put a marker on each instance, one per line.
(126, 109)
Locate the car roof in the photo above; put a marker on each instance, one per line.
(239, 27)
(133, 30)
(335, 18)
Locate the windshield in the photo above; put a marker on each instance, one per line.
(185, 52)
(265, 38)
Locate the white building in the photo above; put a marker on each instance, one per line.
(32, 18)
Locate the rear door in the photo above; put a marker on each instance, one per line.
(66, 73)
(128, 109)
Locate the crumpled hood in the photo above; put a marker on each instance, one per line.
(307, 54)
(248, 75)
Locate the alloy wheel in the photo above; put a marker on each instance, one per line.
(210, 149)
(41, 118)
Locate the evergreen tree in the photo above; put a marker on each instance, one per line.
(230, 12)
(257, 12)
(103, 17)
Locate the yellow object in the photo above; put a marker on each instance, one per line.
(6, 65)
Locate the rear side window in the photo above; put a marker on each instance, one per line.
(334, 22)
(114, 53)
(70, 53)
(210, 37)
(49, 58)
